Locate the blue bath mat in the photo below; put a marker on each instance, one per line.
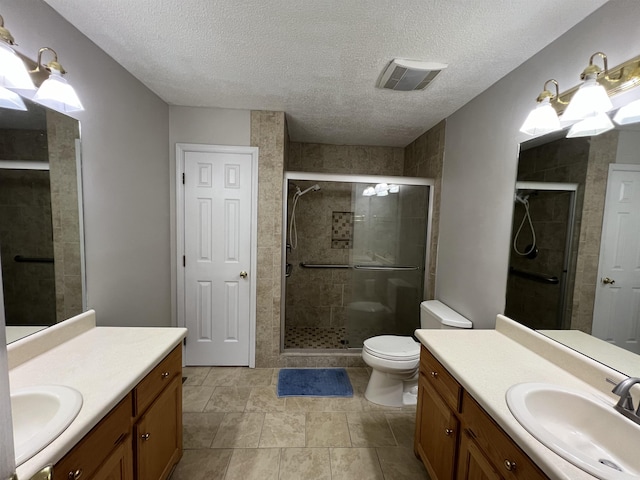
(314, 382)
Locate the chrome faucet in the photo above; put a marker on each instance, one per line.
(625, 404)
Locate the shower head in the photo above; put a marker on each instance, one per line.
(315, 188)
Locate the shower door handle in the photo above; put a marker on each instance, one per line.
(608, 281)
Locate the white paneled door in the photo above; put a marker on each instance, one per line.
(219, 264)
(616, 316)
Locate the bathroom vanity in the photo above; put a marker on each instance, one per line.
(130, 423)
(464, 428)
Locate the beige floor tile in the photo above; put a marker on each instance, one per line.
(204, 464)
(265, 399)
(359, 377)
(305, 463)
(370, 429)
(274, 377)
(254, 464)
(195, 375)
(399, 463)
(355, 463)
(255, 377)
(403, 426)
(239, 430)
(307, 404)
(228, 399)
(198, 429)
(283, 429)
(222, 376)
(194, 398)
(327, 429)
(345, 404)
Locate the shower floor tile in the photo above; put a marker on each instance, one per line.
(315, 337)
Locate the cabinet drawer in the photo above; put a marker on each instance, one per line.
(151, 385)
(440, 379)
(95, 447)
(499, 448)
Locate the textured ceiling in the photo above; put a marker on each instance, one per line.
(319, 60)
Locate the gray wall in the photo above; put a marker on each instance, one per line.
(481, 150)
(125, 158)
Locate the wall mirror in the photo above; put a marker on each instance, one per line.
(41, 228)
(575, 243)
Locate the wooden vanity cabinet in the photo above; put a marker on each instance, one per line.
(140, 438)
(456, 439)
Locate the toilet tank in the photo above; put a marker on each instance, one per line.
(435, 314)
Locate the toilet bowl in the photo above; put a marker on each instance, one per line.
(394, 360)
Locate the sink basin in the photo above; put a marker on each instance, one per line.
(40, 414)
(580, 427)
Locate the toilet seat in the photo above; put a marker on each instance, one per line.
(392, 347)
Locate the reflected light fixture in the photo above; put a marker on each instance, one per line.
(628, 114)
(590, 126)
(55, 92)
(543, 118)
(14, 77)
(394, 188)
(591, 98)
(369, 192)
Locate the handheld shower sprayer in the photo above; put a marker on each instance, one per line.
(315, 188)
(293, 232)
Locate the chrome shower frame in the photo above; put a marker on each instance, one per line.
(344, 178)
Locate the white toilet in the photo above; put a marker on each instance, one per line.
(395, 359)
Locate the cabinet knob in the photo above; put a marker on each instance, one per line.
(509, 465)
(74, 475)
(145, 436)
(434, 374)
(164, 374)
(448, 432)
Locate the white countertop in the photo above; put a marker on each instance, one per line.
(104, 364)
(487, 362)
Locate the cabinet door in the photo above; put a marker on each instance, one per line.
(119, 465)
(472, 464)
(159, 434)
(437, 433)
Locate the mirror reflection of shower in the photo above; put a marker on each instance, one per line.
(543, 254)
(354, 263)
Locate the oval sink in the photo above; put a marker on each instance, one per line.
(40, 414)
(579, 427)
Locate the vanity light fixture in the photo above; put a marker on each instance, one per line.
(369, 192)
(591, 126)
(543, 118)
(591, 98)
(394, 188)
(14, 78)
(55, 92)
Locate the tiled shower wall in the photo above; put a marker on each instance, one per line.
(424, 157)
(62, 132)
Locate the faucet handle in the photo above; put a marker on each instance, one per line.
(622, 389)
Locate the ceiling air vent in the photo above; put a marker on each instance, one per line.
(407, 75)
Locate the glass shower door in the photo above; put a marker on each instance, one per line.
(387, 254)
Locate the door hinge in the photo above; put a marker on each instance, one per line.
(184, 261)
(183, 178)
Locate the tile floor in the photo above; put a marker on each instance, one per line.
(235, 427)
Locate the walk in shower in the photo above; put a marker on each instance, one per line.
(354, 260)
(543, 256)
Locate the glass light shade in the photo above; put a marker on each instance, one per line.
(628, 114)
(369, 192)
(13, 72)
(382, 193)
(12, 100)
(381, 187)
(541, 120)
(57, 94)
(394, 188)
(590, 126)
(590, 99)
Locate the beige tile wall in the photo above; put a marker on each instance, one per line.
(424, 157)
(62, 132)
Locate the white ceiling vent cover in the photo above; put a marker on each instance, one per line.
(407, 75)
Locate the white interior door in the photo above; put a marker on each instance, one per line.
(219, 258)
(616, 316)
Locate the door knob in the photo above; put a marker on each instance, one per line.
(243, 274)
(608, 281)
